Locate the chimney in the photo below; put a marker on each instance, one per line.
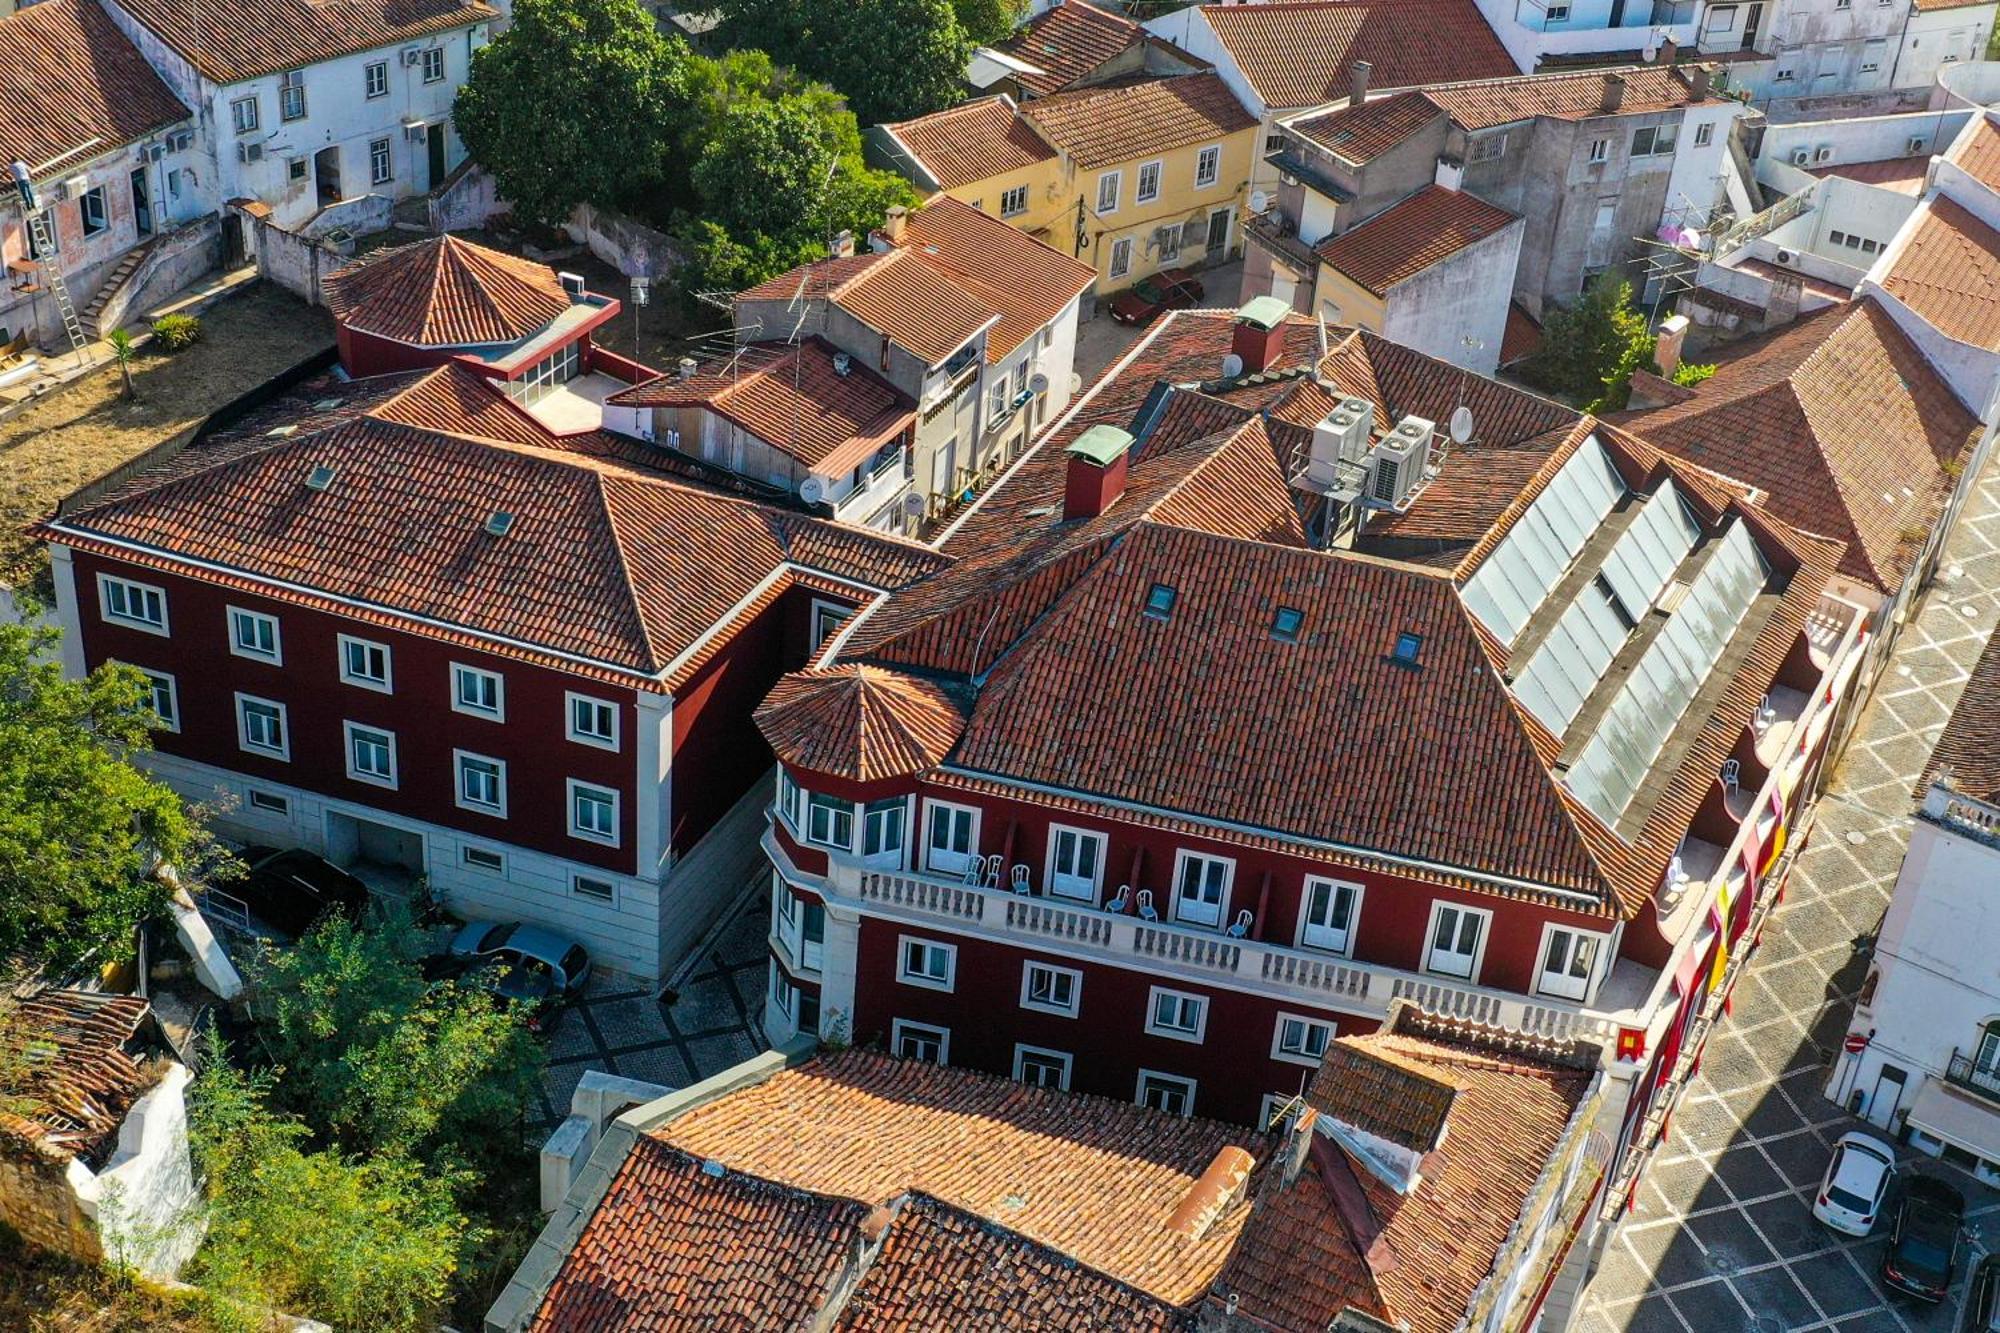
(843, 245)
(1357, 82)
(1259, 333)
(892, 225)
(686, 367)
(1098, 460)
(1669, 50)
(1614, 94)
(1667, 344)
(1698, 83)
(1298, 1143)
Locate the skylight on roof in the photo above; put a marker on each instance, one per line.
(499, 523)
(1531, 559)
(1160, 600)
(1409, 647)
(1287, 623)
(319, 478)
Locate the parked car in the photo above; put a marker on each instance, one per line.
(289, 890)
(1169, 289)
(1982, 1298)
(523, 964)
(1923, 1248)
(1857, 1181)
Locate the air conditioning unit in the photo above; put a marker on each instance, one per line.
(411, 55)
(155, 151)
(1801, 156)
(414, 133)
(1916, 145)
(1786, 256)
(1343, 437)
(1822, 154)
(249, 152)
(1396, 465)
(180, 141)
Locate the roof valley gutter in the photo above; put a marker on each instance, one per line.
(1348, 849)
(764, 585)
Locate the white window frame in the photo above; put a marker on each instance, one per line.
(578, 879)
(371, 86)
(1188, 1085)
(381, 161)
(171, 720)
(1063, 1058)
(924, 979)
(1345, 949)
(498, 713)
(1139, 193)
(834, 807)
(386, 684)
(1153, 1028)
(1116, 180)
(1600, 150)
(791, 799)
(785, 917)
(106, 582)
(243, 741)
(269, 802)
(1278, 1051)
(931, 862)
(886, 858)
(466, 852)
(241, 122)
(1181, 859)
(1570, 988)
(1091, 890)
(289, 108)
(238, 617)
(901, 1027)
(1211, 158)
(827, 618)
(600, 707)
(1014, 202)
(93, 212)
(1704, 133)
(354, 771)
(573, 788)
(458, 796)
(429, 63)
(1121, 248)
(1268, 1107)
(1556, 14)
(1029, 967)
(1438, 907)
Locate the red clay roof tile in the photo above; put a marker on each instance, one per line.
(1400, 242)
(445, 292)
(74, 81)
(1968, 752)
(1949, 272)
(1100, 127)
(1068, 42)
(1298, 53)
(230, 41)
(1026, 282)
(972, 142)
(860, 723)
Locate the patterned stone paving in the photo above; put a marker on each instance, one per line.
(1722, 1237)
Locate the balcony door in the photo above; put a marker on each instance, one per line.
(1456, 935)
(1201, 889)
(1986, 1060)
(1569, 958)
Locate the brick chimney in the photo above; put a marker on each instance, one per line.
(1698, 78)
(1668, 52)
(1260, 333)
(1098, 462)
(1614, 94)
(897, 218)
(1357, 82)
(1667, 344)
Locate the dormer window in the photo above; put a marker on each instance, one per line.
(1160, 601)
(1286, 624)
(1408, 648)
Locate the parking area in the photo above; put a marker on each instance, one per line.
(1102, 340)
(1722, 1237)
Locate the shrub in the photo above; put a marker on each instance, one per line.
(1690, 373)
(174, 332)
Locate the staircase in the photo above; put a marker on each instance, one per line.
(113, 284)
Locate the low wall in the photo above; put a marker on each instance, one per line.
(362, 215)
(625, 243)
(174, 262)
(468, 198)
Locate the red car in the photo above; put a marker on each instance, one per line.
(1169, 289)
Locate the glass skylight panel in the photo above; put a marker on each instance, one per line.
(1649, 552)
(1505, 590)
(1570, 662)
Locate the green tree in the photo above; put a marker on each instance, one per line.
(767, 169)
(122, 352)
(1590, 350)
(579, 101)
(80, 827)
(989, 22)
(891, 58)
(779, 27)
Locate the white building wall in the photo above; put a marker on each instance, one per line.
(1938, 39)
(1457, 310)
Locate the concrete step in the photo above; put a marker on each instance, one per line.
(109, 289)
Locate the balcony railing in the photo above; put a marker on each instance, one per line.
(1982, 1081)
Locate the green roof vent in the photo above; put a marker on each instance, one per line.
(1102, 445)
(1266, 312)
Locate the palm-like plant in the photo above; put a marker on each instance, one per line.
(122, 351)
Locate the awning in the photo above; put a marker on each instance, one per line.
(1963, 1121)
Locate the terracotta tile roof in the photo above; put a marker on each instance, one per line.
(1649, 89)
(972, 142)
(1933, 6)
(1472, 492)
(1101, 127)
(1340, 1238)
(1069, 42)
(1398, 243)
(230, 41)
(1373, 1087)
(1092, 1178)
(1360, 133)
(1980, 157)
(445, 292)
(793, 398)
(74, 79)
(1841, 421)
(942, 1267)
(1299, 54)
(1949, 272)
(673, 1247)
(913, 304)
(860, 722)
(73, 1102)
(1523, 336)
(1969, 746)
(1003, 267)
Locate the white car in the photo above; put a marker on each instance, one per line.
(1856, 1184)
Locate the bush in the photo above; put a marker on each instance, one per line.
(1690, 373)
(174, 332)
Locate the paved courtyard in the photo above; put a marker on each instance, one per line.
(1722, 1237)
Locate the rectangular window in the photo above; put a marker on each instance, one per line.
(920, 1041)
(593, 721)
(1456, 935)
(91, 209)
(371, 755)
(295, 169)
(292, 95)
(481, 783)
(951, 839)
(1654, 141)
(1039, 1067)
(1836, 237)
(1107, 191)
(791, 799)
(1704, 135)
(1076, 863)
(830, 822)
(1569, 960)
(1783, 76)
(1642, 141)
(483, 859)
(480, 693)
(365, 663)
(1201, 889)
(380, 169)
(1328, 914)
(1600, 150)
(1169, 240)
(243, 114)
(926, 963)
(1558, 14)
(434, 64)
(254, 634)
(1014, 202)
(137, 605)
(260, 727)
(593, 813)
(268, 801)
(1051, 989)
(882, 831)
(783, 994)
(1121, 256)
(597, 890)
(1207, 166)
(1165, 1092)
(164, 698)
(375, 78)
(784, 915)
(812, 936)
(1300, 1040)
(1149, 186)
(827, 620)
(808, 1011)
(1176, 1014)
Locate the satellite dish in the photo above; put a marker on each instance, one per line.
(1232, 366)
(1461, 425)
(1259, 201)
(812, 490)
(1038, 383)
(913, 505)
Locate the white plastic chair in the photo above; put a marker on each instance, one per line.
(1146, 910)
(1241, 926)
(1120, 900)
(1020, 880)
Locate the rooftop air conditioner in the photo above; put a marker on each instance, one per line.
(1916, 145)
(249, 152)
(1786, 256)
(1396, 465)
(1801, 156)
(1822, 154)
(1343, 437)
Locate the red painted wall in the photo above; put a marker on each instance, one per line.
(532, 740)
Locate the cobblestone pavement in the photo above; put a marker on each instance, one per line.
(1722, 1237)
(714, 1022)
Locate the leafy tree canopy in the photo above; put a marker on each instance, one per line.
(891, 59)
(1590, 350)
(989, 22)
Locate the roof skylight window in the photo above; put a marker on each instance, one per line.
(1160, 600)
(1287, 623)
(1408, 648)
